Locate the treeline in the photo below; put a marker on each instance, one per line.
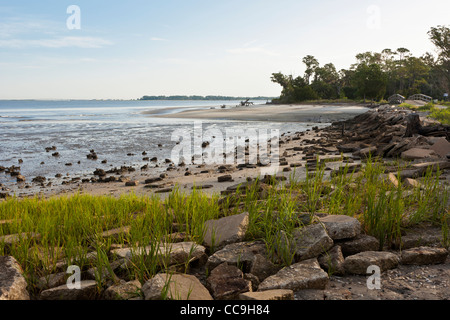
(202, 98)
(374, 76)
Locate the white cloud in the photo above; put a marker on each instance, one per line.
(61, 42)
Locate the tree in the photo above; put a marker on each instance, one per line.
(311, 65)
(370, 81)
(440, 36)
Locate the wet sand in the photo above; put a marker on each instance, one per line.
(274, 113)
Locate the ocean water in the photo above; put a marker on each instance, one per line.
(113, 129)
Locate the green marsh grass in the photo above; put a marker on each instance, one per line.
(70, 227)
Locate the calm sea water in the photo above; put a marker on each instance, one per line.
(113, 129)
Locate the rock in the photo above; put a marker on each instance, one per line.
(269, 295)
(13, 285)
(411, 183)
(262, 267)
(20, 178)
(361, 243)
(132, 183)
(441, 147)
(332, 261)
(341, 226)
(366, 152)
(122, 290)
(418, 154)
(167, 253)
(175, 287)
(240, 254)
(225, 178)
(226, 282)
(53, 280)
(226, 230)
(87, 291)
(350, 147)
(308, 242)
(424, 256)
(358, 263)
(299, 276)
(392, 179)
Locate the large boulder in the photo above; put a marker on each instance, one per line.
(226, 282)
(307, 242)
(241, 253)
(122, 290)
(359, 244)
(12, 282)
(299, 276)
(268, 295)
(418, 154)
(424, 256)
(359, 263)
(341, 226)
(175, 287)
(167, 253)
(88, 291)
(226, 230)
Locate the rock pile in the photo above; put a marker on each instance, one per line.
(330, 245)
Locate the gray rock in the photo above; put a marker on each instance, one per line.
(167, 253)
(361, 243)
(341, 226)
(88, 291)
(269, 295)
(240, 254)
(175, 287)
(418, 154)
(13, 285)
(226, 230)
(424, 256)
(226, 282)
(52, 280)
(262, 267)
(359, 263)
(299, 276)
(122, 290)
(333, 261)
(308, 242)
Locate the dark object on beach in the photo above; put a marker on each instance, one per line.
(48, 149)
(100, 173)
(246, 103)
(4, 195)
(132, 183)
(154, 159)
(225, 178)
(413, 125)
(58, 175)
(105, 161)
(20, 161)
(20, 178)
(56, 154)
(206, 186)
(205, 144)
(153, 180)
(39, 179)
(68, 164)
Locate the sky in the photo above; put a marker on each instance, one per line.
(97, 49)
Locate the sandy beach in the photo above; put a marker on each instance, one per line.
(187, 176)
(274, 113)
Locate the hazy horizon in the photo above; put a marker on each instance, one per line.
(123, 51)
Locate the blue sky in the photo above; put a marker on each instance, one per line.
(127, 49)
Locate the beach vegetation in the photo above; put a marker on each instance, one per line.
(56, 232)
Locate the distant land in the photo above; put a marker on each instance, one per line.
(203, 98)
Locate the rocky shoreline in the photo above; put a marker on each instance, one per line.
(332, 253)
